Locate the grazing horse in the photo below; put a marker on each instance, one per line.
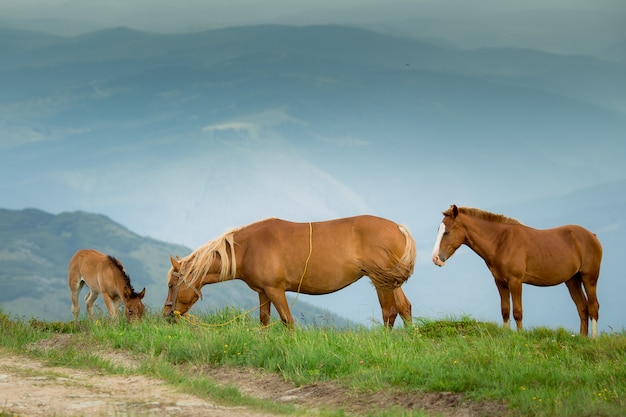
(517, 254)
(104, 275)
(273, 256)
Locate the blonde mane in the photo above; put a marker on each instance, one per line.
(197, 264)
(485, 215)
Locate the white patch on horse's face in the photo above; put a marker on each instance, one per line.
(440, 232)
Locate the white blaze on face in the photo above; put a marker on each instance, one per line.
(440, 232)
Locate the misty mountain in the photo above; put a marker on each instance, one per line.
(248, 66)
(326, 87)
(35, 249)
(568, 27)
(183, 136)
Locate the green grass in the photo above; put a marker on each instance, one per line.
(538, 372)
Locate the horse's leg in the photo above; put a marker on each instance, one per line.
(116, 305)
(387, 301)
(505, 302)
(90, 298)
(575, 287)
(111, 304)
(264, 309)
(515, 286)
(74, 291)
(590, 281)
(403, 305)
(278, 298)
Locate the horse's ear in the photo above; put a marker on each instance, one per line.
(142, 293)
(175, 263)
(452, 211)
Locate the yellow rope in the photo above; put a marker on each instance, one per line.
(193, 320)
(306, 264)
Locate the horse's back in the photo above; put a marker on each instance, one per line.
(567, 248)
(85, 257)
(577, 238)
(88, 265)
(348, 233)
(340, 250)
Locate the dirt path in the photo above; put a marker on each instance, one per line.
(30, 387)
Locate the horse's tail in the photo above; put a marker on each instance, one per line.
(402, 269)
(73, 270)
(408, 258)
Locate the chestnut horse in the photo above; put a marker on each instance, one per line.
(517, 254)
(104, 275)
(273, 256)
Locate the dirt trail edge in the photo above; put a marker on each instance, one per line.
(29, 387)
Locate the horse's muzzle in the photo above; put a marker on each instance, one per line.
(439, 261)
(170, 317)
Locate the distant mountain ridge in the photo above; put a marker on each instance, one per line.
(565, 27)
(35, 248)
(183, 135)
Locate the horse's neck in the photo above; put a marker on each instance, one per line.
(123, 293)
(481, 235)
(119, 281)
(214, 274)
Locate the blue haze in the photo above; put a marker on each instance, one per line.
(181, 136)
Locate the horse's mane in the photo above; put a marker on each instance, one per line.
(485, 215)
(119, 266)
(198, 263)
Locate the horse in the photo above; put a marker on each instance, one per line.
(104, 275)
(273, 256)
(517, 254)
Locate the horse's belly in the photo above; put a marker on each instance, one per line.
(326, 284)
(549, 275)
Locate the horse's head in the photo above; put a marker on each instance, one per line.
(181, 295)
(450, 236)
(133, 304)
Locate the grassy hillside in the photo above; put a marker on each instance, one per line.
(35, 248)
(479, 367)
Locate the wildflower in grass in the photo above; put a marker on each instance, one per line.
(606, 395)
